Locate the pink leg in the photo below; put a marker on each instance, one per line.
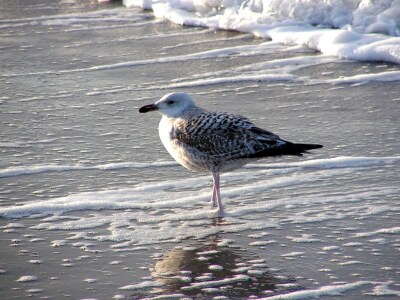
(216, 192)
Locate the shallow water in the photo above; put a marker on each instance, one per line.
(92, 206)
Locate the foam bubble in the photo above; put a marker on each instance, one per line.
(213, 283)
(215, 267)
(27, 278)
(142, 285)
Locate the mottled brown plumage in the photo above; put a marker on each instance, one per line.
(215, 142)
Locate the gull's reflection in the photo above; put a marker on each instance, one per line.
(214, 267)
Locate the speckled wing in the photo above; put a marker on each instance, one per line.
(226, 136)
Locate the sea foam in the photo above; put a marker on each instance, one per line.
(168, 211)
(328, 290)
(359, 30)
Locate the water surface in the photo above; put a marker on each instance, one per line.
(92, 206)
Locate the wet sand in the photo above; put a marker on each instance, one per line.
(93, 207)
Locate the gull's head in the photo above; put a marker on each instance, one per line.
(171, 105)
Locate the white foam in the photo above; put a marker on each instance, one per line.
(341, 43)
(330, 248)
(34, 291)
(213, 283)
(242, 50)
(133, 198)
(351, 262)
(293, 254)
(215, 267)
(390, 230)
(142, 285)
(305, 238)
(13, 226)
(27, 278)
(384, 290)
(277, 70)
(167, 297)
(335, 162)
(167, 212)
(35, 261)
(328, 290)
(262, 243)
(58, 243)
(365, 78)
(289, 22)
(37, 169)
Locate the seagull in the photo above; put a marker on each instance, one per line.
(215, 142)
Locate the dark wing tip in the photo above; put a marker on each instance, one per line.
(287, 148)
(306, 147)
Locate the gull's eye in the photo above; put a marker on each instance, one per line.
(171, 102)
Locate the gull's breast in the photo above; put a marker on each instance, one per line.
(185, 155)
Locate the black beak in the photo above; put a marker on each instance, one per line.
(147, 108)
